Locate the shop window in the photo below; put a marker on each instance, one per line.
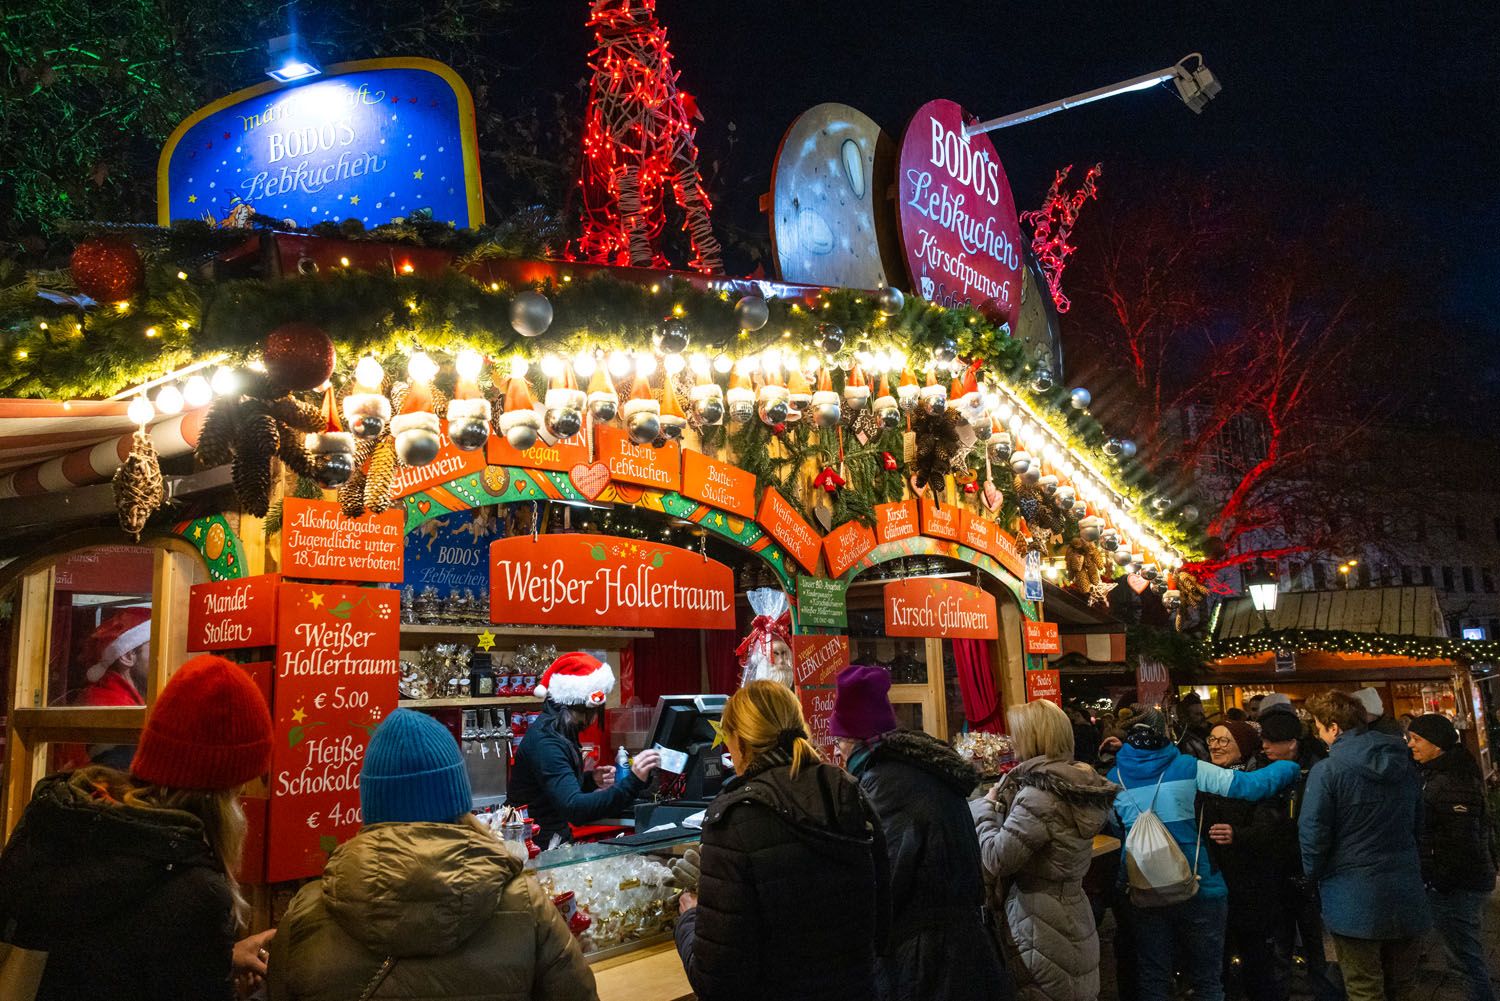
(100, 627)
(1448, 579)
(1460, 528)
(1469, 579)
(1427, 576)
(1488, 577)
(1407, 577)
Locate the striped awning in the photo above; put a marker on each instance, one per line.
(48, 445)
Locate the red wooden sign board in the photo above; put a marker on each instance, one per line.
(926, 606)
(1044, 685)
(943, 522)
(896, 521)
(451, 463)
(819, 659)
(233, 614)
(602, 580)
(787, 527)
(718, 483)
(1043, 637)
(957, 216)
(560, 457)
(318, 541)
(646, 465)
(846, 546)
(337, 661)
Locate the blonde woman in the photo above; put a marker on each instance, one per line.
(794, 891)
(126, 882)
(1036, 834)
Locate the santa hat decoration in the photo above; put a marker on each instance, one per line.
(416, 427)
(741, 396)
(968, 395)
(708, 400)
(933, 394)
(604, 401)
(673, 420)
(908, 390)
(332, 449)
(564, 405)
(116, 636)
(799, 390)
(857, 390)
(885, 401)
(577, 679)
(642, 413)
(519, 423)
(366, 410)
(468, 417)
(825, 403)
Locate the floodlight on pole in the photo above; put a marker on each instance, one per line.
(291, 60)
(1196, 87)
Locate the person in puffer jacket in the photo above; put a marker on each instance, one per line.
(795, 886)
(424, 903)
(1153, 775)
(1036, 837)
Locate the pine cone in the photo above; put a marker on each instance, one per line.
(352, 493)
(294, 455)
(220, 428)
(380, 475)
(252, 482)
(297, 415)
(138, 486)
(259, 434)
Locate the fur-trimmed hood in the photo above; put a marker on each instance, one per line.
(921, 750)
(1076, 785)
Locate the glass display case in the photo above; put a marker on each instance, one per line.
(617, 896)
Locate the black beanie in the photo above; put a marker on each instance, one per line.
(1435, 728)
(1279, 725)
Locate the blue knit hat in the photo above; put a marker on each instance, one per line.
(413, 772)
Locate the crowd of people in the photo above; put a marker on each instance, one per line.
(893, 874)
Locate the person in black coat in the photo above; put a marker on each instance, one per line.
(1457, 864)
(794, 893)
(939, 948)
(548, 775)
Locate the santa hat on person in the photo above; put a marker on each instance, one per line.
(576, 679)
(116, 636)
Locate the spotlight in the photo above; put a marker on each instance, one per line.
(291, 60)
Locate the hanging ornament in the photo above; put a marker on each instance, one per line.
(887, 410)
(1190, 513)
(1109, 540)
(1033, 473)
(1171, 599)
(1091, 527)
(972, 487)
(604, 401)
(1113, 447)
(934, 395)
(1149, 571)
(1048, 483)
(1041, 379)
(469, 423)
(563, 405)
(888, 461)
(825, 404)
(415, 429)
(106, 269)
(642, 413)
(298, 356)
(1162, 504)
(775, 403)
(889, 301)
(830, 338)
(671, 335)
(741, 397)
(530, 314)
(1063, 495)
(331, 451)
(1079, 509)
(999, 444)
(673, 421)
(829, 480)
(519, 422)
(799, 395)
(945, 353)
(856, 390)
(1080, 398)
(1123, 557)
(908, 392)
(366, 411)
(1020, 462)
(138, 485)
(1128, 449)
(751, 312)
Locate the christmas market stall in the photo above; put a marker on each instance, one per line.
(324, 420)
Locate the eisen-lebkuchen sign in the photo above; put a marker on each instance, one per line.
(602, 580)
(924, 606)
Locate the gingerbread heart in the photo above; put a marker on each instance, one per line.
(993, 498)
(589, 480)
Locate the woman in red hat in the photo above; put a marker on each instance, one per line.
(124, 883)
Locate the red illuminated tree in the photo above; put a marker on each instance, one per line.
(638, 142)
(1052, 227)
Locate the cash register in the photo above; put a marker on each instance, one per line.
(693, 768)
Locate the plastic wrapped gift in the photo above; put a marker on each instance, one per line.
(992, 754)
(623, 897)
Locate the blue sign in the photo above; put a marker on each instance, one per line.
(375, 141)
(452, 553)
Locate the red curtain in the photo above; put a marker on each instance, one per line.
(667, 664)
(976, 684)
(723, 665)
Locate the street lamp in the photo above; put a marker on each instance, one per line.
(1196, 87)
(1263, 591)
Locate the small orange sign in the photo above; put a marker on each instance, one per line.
(1009, 552)
(319, 541)
(981, 534)
(789, 528)
(232, 614)
(894, 522)
(941, 522)
(451, 463)
(1044, 685)
(720, 484)
(603, 580)
(846, 545)
(646, 465)
(927, 606)
(1043, 637)
(559, 458)
(819, 659)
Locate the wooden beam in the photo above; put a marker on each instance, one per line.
(30, 652)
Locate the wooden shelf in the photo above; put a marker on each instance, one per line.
(473, 629)
(463, 703)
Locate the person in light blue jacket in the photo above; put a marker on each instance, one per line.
(1191, 932)
(1360, 825)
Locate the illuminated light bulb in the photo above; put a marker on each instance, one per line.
(182, 275)
(770, 362)
(898, 359)
(469, 364)
(674, 364)
(723, 364)
(140, 410)
(344, 262)
(699, 363)
(1004, 412)
(991, 402)
(645, 366)
(421, 368)
(619, 364)
(518, 367)
(552, 366)
(197, 392)
(585, 364)
(809, 364)
(169, 399)
(881, 362)
(224, 381)
(257, 366)
(151, 331)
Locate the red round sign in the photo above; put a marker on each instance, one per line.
(957, 215)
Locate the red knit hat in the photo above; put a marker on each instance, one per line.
(576, 679)
(209, 729)
(116, 636)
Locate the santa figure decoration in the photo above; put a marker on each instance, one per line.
(766, 654)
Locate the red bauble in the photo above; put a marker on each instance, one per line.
(298, 356)
(106, 269)
(778, 429)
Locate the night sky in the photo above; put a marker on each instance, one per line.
(1394, 108)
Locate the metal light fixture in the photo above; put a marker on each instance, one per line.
(1263, 591)
(291, 60)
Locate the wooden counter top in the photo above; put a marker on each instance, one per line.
(653, 973)
(1104, 844)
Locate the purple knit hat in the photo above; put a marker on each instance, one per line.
(862, 707)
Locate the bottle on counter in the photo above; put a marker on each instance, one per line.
(622, 763)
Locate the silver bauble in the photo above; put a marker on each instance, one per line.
(890, 417)
(563, 422)
(827, 415)
(1122, 556)
(830, 338)
(709, 409)
(1113, 447)
(1049, 485)
(521, 437)
(417, 446)
(1091, 527)
(1080, 509)
(1033, 474)
(1080, 398)
(1020, 462)
(889, 301)
(1190, 513)
(672, 335)
(1041, 379)
(1161, 504)
(1159, 585)
(983, 431)
(643, 426)
(1149, 571)
(742, 411)
(469, 434)
(1128, 449)
(367, 426)
(1109, 541)
(752, 312)
(1000, 447)
(775, 412)
(1064, 495)
(604, 410)
(1172, 599)
(946, 352)
(332, 469)
(530, 313)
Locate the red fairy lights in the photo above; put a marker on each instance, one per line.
(1052, 224)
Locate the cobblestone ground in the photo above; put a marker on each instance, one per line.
(1437, 983)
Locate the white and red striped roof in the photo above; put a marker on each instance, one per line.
(49, 445)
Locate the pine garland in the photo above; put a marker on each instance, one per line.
(1347, 641)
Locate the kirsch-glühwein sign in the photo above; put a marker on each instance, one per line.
(896, 521)
(957, 216)
(1043, 637)
(319, 541)
(337, 661)
(576, 579)
(233, 614)
(927, 606)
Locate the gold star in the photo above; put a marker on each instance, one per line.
(353, 199)
(192, 199)
(417, 174)
(197, 531)
(315, 599)
(486, 640)
(298, 715)
(718, 734)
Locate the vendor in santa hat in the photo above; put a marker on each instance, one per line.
(549, 775)
(114, 662)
